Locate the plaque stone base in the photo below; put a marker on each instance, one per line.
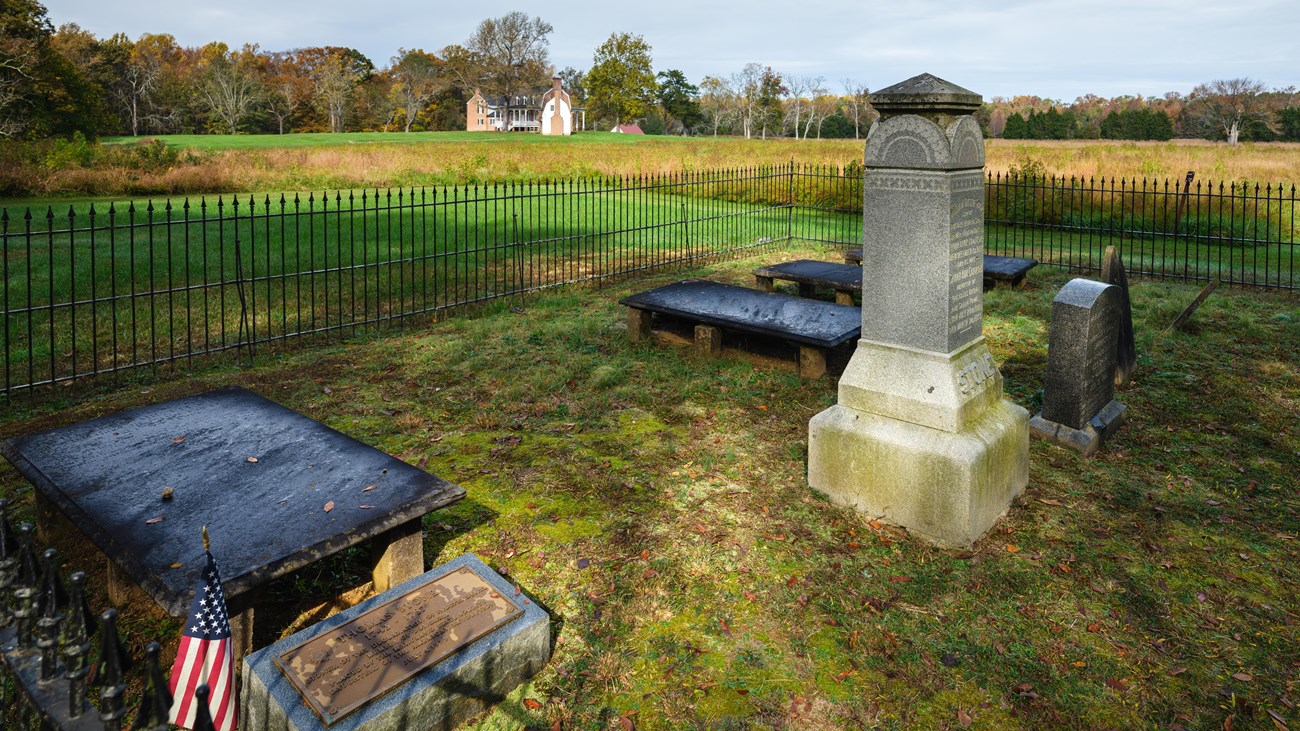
(1086, 440)
(472, 678)
(946, 479)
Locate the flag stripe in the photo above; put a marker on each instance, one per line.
(182, 687)
(204, 657)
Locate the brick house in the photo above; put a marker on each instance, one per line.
(551, 113)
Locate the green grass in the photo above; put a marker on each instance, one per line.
(1148, 587)
(327, 139)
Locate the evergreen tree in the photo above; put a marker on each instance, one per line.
(1017, 127)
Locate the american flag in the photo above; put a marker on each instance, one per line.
(204, 657)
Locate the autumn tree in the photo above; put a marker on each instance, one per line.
(857, 106)
(334, 73)
(512, 53)
(717, 101)
(802, 90)
(621, 82)
(1228, 106)
(231, 88)
(416, 79)
(285, 86)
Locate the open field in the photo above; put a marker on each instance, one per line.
(656, 505)
(246, 164)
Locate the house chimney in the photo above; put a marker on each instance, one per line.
(555, 83)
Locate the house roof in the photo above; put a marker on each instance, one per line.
(628, 129)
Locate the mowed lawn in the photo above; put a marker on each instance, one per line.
(655, 503)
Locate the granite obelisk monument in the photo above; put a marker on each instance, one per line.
(921, 435)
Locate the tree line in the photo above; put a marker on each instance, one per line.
(57, 82)
(1230, 110)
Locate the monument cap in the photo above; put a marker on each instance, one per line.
(925, 95)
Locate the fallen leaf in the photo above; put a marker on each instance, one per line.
(751, 596)
(649, 574)
(1201, 596)
(365, 506)
(179, 439)
(1116, 684)
(167, 493)
(875, 524)
(950, 660)
(583, 563)
(1012, 548)
(329, 506)
(328, 390)
(177, 565)
(531, 704)
(1080, 664)
(155, 519)
(1022, 687)
(900, 579)
(726, 628)
(742, 691)
(424, 462)
(1278, 721)
(252, 459)
(368, 488)
(1175, 671)
(1094, 627)
(645, 555)
(1243, 677)
(963, 718)
(627, 723)
(1047, 501)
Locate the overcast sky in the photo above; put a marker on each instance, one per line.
(1060, 49)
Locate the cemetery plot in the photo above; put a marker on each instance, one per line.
(812, 325)
(1007, 269)
(845, 279)
(276, 490)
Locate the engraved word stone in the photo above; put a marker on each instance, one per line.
(426, 654)
(1078, 409)
(921, 435)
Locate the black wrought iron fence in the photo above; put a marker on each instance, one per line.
(52, 675)
(96, 289)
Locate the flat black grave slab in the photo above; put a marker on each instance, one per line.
(257, 474)
(795, 319)
(998, 268)
(1007, 268)
(839, 277)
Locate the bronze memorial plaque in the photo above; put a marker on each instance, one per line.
(343, 669)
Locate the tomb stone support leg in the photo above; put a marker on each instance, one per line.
(843, 297)
(638, 324)
(398, 555)
(708, 340)
(812, 362)
(807, 290)
(764, 283)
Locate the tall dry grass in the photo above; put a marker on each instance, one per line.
(459, 162)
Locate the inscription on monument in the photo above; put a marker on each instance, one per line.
(345, 668)
(966, 259)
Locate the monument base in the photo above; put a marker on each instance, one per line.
(475, 677)
(946, 487)
(1086, 440)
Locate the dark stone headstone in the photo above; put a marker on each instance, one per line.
(1112, 272)
(1078, 390)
